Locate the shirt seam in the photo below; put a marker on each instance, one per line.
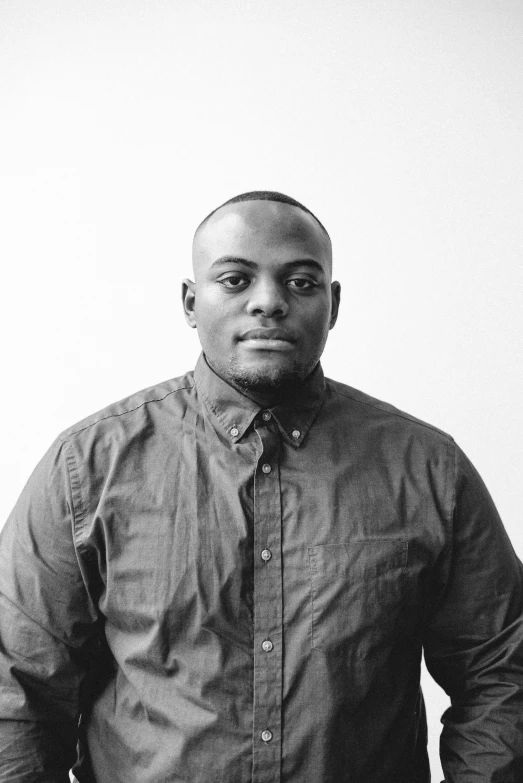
(65, 436)
(452, 473)
(448, 546)
(454, 476)
(78, 507)
(397, 413)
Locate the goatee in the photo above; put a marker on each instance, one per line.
(276, 382)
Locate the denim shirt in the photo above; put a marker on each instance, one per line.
(196, 589)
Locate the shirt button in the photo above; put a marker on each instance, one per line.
(266, 468)
(266, 735)
(234, 431)
(266, 554)
(296, 434)
(266, 415)
(267, 645)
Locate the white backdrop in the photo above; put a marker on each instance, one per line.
(399, 122)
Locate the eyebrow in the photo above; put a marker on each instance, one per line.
(299, 262)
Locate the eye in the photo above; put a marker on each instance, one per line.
(233, 281)
(301, 283)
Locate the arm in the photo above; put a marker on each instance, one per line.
(474, 640)
(47, 622)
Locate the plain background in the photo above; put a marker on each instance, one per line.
(399, 123)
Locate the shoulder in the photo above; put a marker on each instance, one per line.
(154, 402)
(367, 411)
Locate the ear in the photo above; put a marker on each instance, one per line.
(335, 306)
(188, 299)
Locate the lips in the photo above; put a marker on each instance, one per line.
(268, 333)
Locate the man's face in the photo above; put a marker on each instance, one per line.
(262, 299)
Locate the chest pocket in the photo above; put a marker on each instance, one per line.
(357, 595)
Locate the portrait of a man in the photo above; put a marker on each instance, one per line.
(233, 575)
(260, 518)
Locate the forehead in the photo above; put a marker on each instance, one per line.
(261, 231)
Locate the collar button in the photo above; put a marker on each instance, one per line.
(235, 431)
(296, 434)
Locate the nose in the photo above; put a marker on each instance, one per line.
(268, 298)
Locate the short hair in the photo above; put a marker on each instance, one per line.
(264, 195)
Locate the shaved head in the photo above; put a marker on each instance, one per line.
(272, 214)
(263, 195)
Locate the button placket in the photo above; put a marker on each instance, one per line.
(268, 674)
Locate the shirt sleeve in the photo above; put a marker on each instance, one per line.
(474, 639)
(47, 623)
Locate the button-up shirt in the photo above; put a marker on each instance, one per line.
(201, 590)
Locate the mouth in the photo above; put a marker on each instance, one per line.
(268, 339)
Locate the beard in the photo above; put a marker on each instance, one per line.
(268, 381)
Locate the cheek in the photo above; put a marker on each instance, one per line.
(316, 325)
(211, 305)
(206, 311)
(213, 325)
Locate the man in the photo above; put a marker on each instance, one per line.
(230, 577)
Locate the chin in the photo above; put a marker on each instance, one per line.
(266, 377)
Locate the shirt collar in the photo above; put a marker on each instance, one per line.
(235, 411)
